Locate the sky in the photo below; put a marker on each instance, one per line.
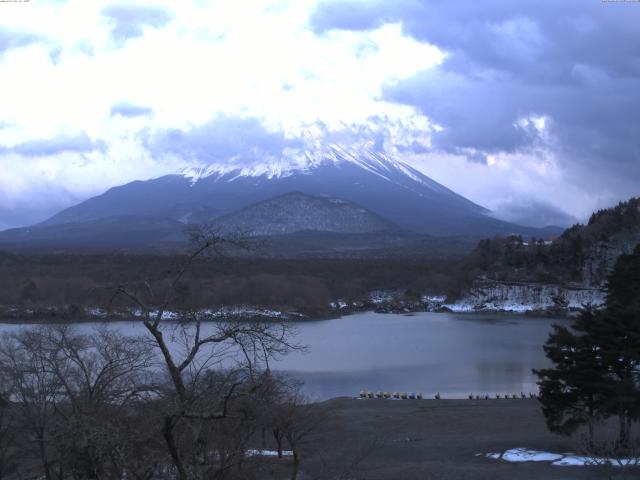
(529, 108)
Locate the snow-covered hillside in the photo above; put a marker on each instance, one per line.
(376, 163)
(526, 297)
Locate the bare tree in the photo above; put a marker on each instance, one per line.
(33, 391)
(292, 417)
(184, 400)
(613, 459)
(190, 345)
(100, 375)
(67, 391)
(7, 449)
(284, 412)
(303, 419)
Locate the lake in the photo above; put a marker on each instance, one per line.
(453, 354)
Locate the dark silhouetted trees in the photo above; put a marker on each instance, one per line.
(563, 260)
(596, 363)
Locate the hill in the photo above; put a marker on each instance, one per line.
(512, 273)
(583, 254)
(297, 212)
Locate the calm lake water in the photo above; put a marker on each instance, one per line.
(454, 354)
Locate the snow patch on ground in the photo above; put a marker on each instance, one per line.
(559, 459)
(525, 297)
(97, 312)
(378, 297)
(466, 307)
(248, 311)
(524, 455)
(268, 453)
(233, 311)
(391, 300)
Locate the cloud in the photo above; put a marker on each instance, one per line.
(396, 136)
(504, 102)
(357, 14)
(129, 20)
(520, 76)
(80, 143)
(533, 212)
(34, 186)
(15, 38)
(130, 110)
(224, 138)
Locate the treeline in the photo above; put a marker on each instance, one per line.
(514, 258)
(606, 222)
(307, 285)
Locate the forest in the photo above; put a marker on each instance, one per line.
(306, 285)
(561, 260)
(71, 282)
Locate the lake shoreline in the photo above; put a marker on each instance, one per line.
(61, 315)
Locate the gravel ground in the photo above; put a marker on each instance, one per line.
(436, 439)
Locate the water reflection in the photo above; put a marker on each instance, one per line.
(448, 353)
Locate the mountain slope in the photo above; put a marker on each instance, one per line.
(389, 188)
(117, 232)
(400, 197)
(296, 212)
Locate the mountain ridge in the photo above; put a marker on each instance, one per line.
(223, 189)
(391, 191)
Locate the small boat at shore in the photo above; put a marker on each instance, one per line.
(387, 395)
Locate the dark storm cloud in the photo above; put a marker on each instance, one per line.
(576, 62)
(222, 138)
(129, 110)
(13, 39)
(80, 143)
(129, 20)
(358, 15)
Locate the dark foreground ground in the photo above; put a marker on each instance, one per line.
(429, 439)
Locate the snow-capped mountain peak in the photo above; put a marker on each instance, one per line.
(375, 162)
(374, 180)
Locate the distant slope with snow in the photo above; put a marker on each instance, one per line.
(331, 202)
(297, 212)
(387, 187)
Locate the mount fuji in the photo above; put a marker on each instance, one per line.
(367, 189)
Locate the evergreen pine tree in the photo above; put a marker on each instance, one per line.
(618, 335)
(571, 392)
(596, 372)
